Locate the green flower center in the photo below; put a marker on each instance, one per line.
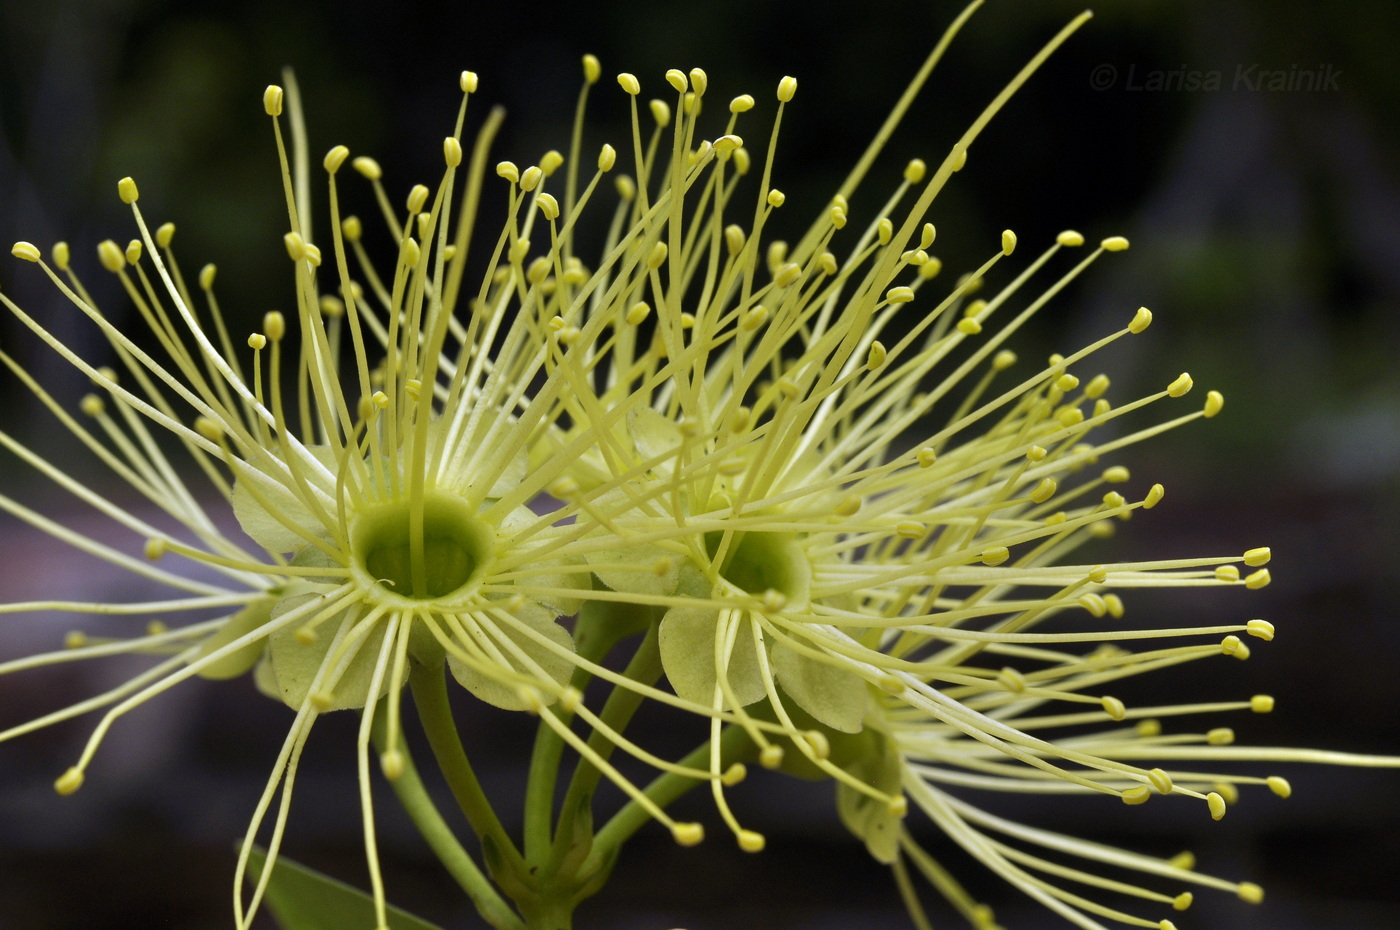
(447, 552)
(757, 562)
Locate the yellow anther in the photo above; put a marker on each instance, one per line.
(1113, 707)
(1165, 924)
(1261, 629)
(368, 168)
(351, 228)
(786, 88)
(467, 82)
(417, 198)
(1114, 500)
(272, 100)
(875, 357)
(391, 764)
(1180, 386)
(1220, 736)
(539, 270)
(210, 429)
(550, 162)
(1098, 574)
(1043, 491)
(1227, 573)
(1096, 387)
(1070, 239)
(274, 325)
(660, 112)
(732, 467)
(676, 78)
(257, 342)
(914, 257)
(1138, 794)
(1116, 474)
(847, 507)
(1160, 780)
(774, 600)
(1257, 557)
(1154, 496)
(1141, 320)
(296, 246)
(1214, 402)
(1183, 901)
(164, 234)
(818, 743)
(686, 834)
(750, 841)
(155, 548)
(335, 158)
(629, 84)
(508, 171)
(1216, 803)
(787, 274)
(995, 556)
(638, 312)
(884, 230)
(1147, 729)
(92, 405)
(592, 69)
(771, 756)
(1036, 453)
(957, 158)
(1232, 645)
(741, 161)
(1003, 360)
(776, 198)
(549, 206)
(451, 151)
(1094, 604)
(741, 104)
(518, 250)
(1250, 893)
(75, 639)
(1262, 703)
(899, 295)
(1114, 244)
(607, 157)
(968, 326)
(1256, 580)
(1066, 382)
(1114, 605)
(657, 256)
(928, 233)
(69, 782)
(1011, 679)
(827, 263)
(109, 254)
(1008, 242)
(688, 322)
(1279, 785)
(926, 457)
(734, 775)
(133, 251)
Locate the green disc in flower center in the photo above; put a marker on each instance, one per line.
(455, 546)
(757, 562)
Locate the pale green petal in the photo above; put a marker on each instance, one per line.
(687, 641)
(295, 663)
(260, 525)
(878, 765)
(653, 434)
(557, 667)
(833, 695)
(241, 660)
(640, 569)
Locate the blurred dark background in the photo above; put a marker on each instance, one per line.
(1265, 239)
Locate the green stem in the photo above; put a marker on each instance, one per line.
(425, 816)
(429, 686)
(599, 628)
(622, 703)
(735, 746)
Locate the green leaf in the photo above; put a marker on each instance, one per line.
(303, 899)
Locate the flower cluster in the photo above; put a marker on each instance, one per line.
(812, 474)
